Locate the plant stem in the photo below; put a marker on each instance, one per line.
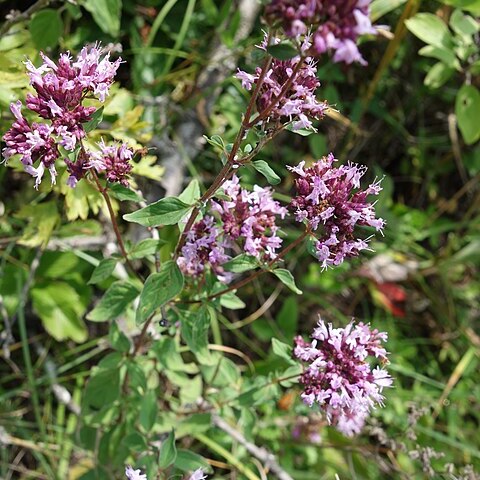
(224, 172)
(256, 274)
(275, 101)
(113, 219)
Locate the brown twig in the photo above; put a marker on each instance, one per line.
(23, 16)
(224, 172)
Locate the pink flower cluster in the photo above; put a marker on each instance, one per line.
(299, 104)
(325, 196)
(247, 218)
(60, 89)
(112, 160)
(204, 247)
(339, 377)
(334, 25)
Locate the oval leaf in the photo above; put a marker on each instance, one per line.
(438, 75)
(167, 211)
(114, 302)
(467, 106)
(282, 51)
(168, 452)
(429, 28)
(46, 27)
(159, 289)
(287, 279)
(264, 168)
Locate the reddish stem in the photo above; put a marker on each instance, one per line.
(113, 219)
(275, 101)
(256, 274)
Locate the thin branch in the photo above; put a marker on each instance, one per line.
(113, 219)
(261, 453)
(256, 274)
(23, 16)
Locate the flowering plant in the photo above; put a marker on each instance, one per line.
(174, 394)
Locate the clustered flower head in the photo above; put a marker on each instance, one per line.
(60, 89)
(203, 247)
(326, 196)
(299, 104)
(334, 25)
(338, 377)
(247, 218)
(112, 160)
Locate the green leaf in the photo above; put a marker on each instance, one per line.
(94, 121)
(103, 388)
(106, 14)
(241, 263)
(282, 350)
(60, 308)
(43, 217)
(231, 301)
(467, 108)
(379, 8)
(445, 55)
(264, 168)
(464, 25)
(123, 193)
(318, 145)
(215, 141)
(167, 211)
(303, 132)
(438, 75)
(46, 28)
(191, 193)
(146, 247)
(103, 270)
(114, 302)
(431, 29)
(188, 461)
(282, 51)
(287, 279)
(159, 289)
(168, 452)
(148, 410)
(287, 317)
(118, 340)
(194, 329)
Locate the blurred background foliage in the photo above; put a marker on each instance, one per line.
(412, 115)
